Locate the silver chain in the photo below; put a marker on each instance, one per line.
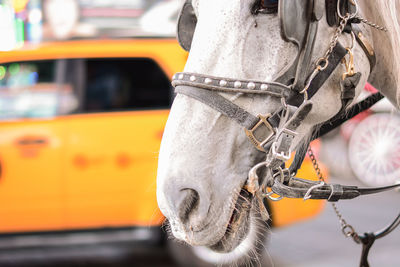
(371, 24)
(347, 229)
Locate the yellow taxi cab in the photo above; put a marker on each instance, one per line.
(80, 128)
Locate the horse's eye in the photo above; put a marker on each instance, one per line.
(266, 6)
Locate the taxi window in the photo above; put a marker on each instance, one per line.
(28, 90)
(124, 84)
(47, 88)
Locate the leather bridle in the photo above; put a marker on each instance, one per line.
(274, 133)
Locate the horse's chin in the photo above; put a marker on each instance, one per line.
(238, 227)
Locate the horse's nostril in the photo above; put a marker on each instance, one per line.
(188, 201)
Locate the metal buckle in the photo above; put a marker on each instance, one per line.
(250, 133)
(281, 155)
(349, 65)
(252, 184)
(283, 173)
(307, 196)
(269, 196)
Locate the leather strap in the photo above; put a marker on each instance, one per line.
(331, 10)
(341, 118)
(298, 188)
(228, 85)
(331, 14)
(221, 104)
(299, 158)
(285, 135)
(348, 89)
(365, 45)
(338, 53)
(368, 240)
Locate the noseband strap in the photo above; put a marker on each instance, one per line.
(220, 104)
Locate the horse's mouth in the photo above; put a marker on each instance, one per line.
(238, 226)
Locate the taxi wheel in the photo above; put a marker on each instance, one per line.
(374, 150)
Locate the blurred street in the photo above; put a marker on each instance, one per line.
(318, 242)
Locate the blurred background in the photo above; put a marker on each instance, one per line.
(84, 97)
(35, 21)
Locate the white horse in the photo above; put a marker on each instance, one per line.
(205, 157)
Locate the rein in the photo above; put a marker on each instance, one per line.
(274, 133)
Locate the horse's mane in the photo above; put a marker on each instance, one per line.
(391, 15)
(386, 76)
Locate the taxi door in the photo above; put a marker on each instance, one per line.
(31, 148)
(113, 142)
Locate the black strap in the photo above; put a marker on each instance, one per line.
(368, 240)
(298, 188)
(331, 14)
(221, 104)
(299, 158)
(338, 53)
(339, 119)
(365, 45)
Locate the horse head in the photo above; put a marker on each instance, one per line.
(250, 57)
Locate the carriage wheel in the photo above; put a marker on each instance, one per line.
(374, 150)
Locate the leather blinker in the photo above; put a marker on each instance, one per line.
(318, 10)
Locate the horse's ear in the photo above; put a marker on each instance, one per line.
(186, 25)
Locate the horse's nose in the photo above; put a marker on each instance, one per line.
(191, 207)
(186, 202)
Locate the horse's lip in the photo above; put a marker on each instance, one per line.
(200, 228)
(236, 221)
